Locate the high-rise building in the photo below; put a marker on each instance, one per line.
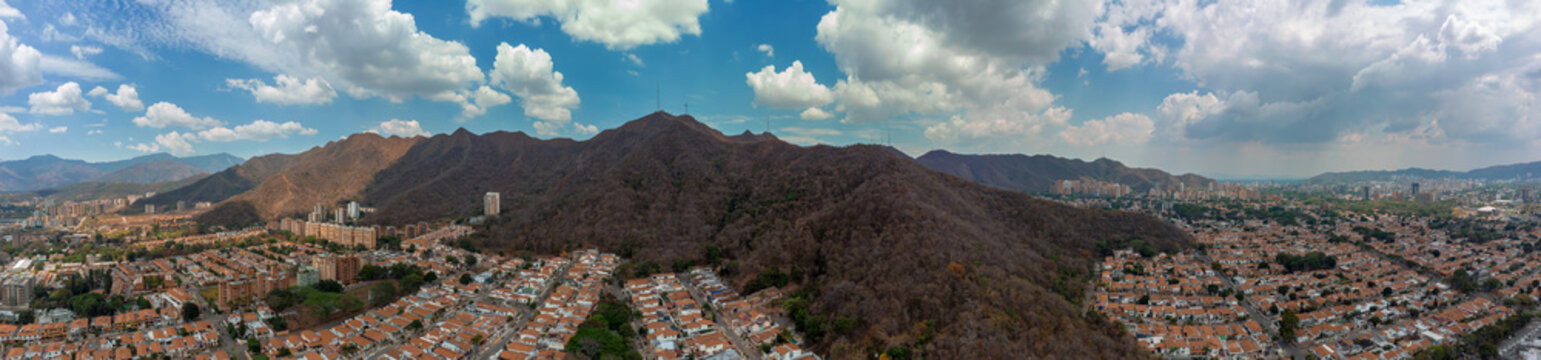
(1415, 190)
(353, 210)
(340, 215)
(491, 204)
(340, 268)
(1367, 193)
(149, 208)
(18, 289)
(318, 214)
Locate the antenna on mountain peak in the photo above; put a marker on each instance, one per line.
(687, 108)
(658, 97)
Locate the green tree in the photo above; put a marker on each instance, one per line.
(1288, 323)
(190, 311)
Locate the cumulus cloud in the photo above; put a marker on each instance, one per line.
(287, 90)
(767, 49)
(1311, 72)
(260, 130)
(84, 51)
(18, 63)
(530, 75)
(127, 97)
(975, 63)
(474, 103)
(1122, 129)
(814, 113)
(398, 127)
(8, 124)
(390, 57)
(789, 89)
(616, 24)
(164, 114)
(65, 100)
(58, 129)
(173, 142)
(8, 12)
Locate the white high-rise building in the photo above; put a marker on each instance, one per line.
(353, 210)
(491, 204)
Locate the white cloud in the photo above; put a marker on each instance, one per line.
(59, 65)
(59, 130)
(634, 59)
(767, 49)
(1285, 72)
(84, 51)
(127, 97)
(789, 89)
(474, 103)
(361, 47)
(8, 12)
(1121, 129)
(618, 25)
(164, 114)
(814, 113)
(94, 132)
(288, 90)
(260, 130)
(62, 101)
(973, 63)
(585, 129)
(398, 127)
(530, 75)
(8, 124)
(173, 142)
(18, 63)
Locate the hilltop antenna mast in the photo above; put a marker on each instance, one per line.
(658, 97)
(687, 108)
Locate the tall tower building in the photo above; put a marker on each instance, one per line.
(1415, 190)
(491, 204)
(317, 214)
(353, 210)
(1367, 193)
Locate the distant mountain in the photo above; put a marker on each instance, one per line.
(48, 171)
(1037, 173)
(213, 162)
(151, 172)
(872, 237)
(89, 190)
(322, 175)
(221, 185)
(1529, 172)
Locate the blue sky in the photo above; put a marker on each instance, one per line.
(1264, 88)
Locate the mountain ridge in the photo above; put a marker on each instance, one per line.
(45, 171)
(1530, 171)
(872, 232)
(1037, 173)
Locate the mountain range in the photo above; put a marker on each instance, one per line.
(1037, 173)
(899, 254)
(1518, 172)
(48, 171)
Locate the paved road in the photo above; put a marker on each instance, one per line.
(749, 352)
(1509, 348)
(1262, 317)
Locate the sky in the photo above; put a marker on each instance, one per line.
(1232, 89)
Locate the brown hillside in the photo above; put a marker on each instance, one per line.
(869, 234)
(221, 185)
(323, 175)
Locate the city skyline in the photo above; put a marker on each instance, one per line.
(1292, 90)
